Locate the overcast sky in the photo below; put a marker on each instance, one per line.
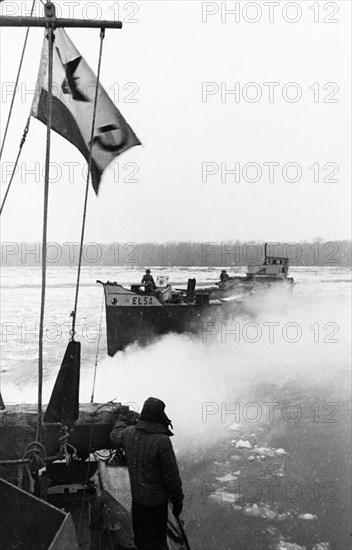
(178, 186)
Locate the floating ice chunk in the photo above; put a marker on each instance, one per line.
(283, 545)
(280, 451)
(307, 517)
(264, 452)
(224, 497)
(261, 511)
(251, 458)
(322, 546)
(226, 478)
(241, 444)
(283, 516)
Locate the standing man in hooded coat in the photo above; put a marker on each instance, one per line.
(153, 471)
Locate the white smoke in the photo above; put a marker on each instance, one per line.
(202, 377)
(302, 339)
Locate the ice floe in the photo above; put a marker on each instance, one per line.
(280, 451)
(242, 444)
(222, 496)
(261, 511)
(264, 452)
(283, 545)
(307, 517)
(227, 478)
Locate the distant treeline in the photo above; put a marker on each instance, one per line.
(226, 254)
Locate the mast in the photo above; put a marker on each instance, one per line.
(50, 22)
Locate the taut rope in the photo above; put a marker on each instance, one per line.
(74, 313)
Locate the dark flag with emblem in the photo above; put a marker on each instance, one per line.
(74, 85)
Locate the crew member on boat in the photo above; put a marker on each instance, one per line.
(153, 471)
(224, 276)
(148, 282)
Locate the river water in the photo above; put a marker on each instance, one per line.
(260, 405)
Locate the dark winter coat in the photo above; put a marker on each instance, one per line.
(151, 462)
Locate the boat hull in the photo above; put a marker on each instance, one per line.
(28, 523)
(140, 319)
(142, 324)
(246, 285)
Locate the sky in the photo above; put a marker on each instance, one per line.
(244, 119)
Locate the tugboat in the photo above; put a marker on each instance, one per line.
(137, 315)
(273, 271)
(132, 316)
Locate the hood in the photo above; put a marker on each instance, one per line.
(154, 411)
(153, 427)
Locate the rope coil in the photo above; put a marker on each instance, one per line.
(34, 458)
(64, 446)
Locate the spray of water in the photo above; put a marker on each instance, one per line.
(300, 339)
(280, 339)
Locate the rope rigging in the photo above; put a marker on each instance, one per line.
(16, 85)
(35, 454)
(25, 133)
(51, 38)
(74, 312)
(97, 353)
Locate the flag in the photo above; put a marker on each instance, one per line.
(74, 85)
(64, 401)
